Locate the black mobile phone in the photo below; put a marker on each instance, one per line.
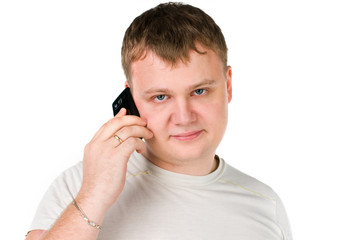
(125, 100)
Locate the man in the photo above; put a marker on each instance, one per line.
(171, 184)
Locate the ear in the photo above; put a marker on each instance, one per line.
(229, 83)
(126, 84)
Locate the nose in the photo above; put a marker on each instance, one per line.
(183, 112)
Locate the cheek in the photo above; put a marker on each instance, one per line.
(217, 106)
(216, 116)
(155, 122)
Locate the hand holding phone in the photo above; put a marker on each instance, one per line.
(105, 157)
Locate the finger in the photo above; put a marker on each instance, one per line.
(114, 124)
(121, 113)
(129, 146)
(118, 141)
(134, 131)
(131, 131)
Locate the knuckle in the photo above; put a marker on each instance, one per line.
(111, 122)
(88, 147)
(130, 142)
(126, 132)
(133, 140)
(91, 147)
(106, 124)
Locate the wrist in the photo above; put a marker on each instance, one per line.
(94, 208)
(85, 217)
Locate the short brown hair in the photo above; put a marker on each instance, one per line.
(171, 31)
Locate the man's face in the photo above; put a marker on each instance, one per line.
(186, 106)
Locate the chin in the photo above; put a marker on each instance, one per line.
(180, 151)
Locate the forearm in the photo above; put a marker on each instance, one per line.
(71, 224)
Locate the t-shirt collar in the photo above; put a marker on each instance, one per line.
(179, 179)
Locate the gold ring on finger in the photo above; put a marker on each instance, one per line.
(118, 138)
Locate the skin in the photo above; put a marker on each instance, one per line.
(184, 112)
(181, 100)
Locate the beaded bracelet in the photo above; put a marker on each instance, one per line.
(91, 223)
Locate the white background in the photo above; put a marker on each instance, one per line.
(294, 119)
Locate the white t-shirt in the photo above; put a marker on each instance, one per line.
(159, 204)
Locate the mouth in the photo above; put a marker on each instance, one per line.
(187, 136)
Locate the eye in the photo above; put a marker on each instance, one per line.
(199, 91)
(160, 98)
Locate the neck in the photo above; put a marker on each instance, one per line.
(194, 167)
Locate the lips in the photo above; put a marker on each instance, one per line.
(187, 136)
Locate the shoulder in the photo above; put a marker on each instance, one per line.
(75, 171)
(66, 186)
(244, 182)
(58, 196)
(72, 176)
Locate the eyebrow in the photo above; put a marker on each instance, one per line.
(206, 82)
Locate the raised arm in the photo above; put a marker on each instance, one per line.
(104, 171)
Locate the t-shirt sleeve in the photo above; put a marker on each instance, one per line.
(282, 218)
(57, 198)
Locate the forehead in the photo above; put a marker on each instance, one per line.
(152, 70)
